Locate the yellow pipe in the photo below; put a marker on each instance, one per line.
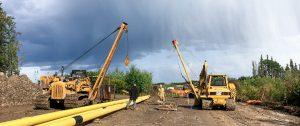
(28, 121)
(88, 115)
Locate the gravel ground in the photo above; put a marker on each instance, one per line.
(147, 115)
(16, 112)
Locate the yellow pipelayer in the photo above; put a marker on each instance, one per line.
(79, 91)
(213, 90)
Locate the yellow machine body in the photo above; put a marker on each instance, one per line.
(220, 92)
(45, 81)
(213, 90)
(77, 90)
(60, 89)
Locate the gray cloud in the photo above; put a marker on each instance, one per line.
(55, 32)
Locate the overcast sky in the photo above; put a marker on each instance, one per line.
(229, 34)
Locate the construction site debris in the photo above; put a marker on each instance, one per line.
(294, 110)
(167, 106)
(254, 102)
(17, 90)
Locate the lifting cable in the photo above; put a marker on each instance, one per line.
(178, 63)
(88, 50)
(192, 72)
(127, 43)
(127, 59)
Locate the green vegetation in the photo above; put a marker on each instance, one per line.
(124, 80)
(9, 45)
(118, 77)
(142, 79)
(272, 83)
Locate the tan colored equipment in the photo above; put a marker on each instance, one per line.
(45, 81)
(213, 90)
(77, 90)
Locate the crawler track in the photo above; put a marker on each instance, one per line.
(42, 102)
(75, 100)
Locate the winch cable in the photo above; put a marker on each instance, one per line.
(127, 59)
(126, 47)
(127, 43)
(192, 72)
(182, 75)
(178, 63)
(90, 49)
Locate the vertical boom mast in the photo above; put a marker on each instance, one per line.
(103, 70)
(175, 44)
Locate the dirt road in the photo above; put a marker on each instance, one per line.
(147, 115)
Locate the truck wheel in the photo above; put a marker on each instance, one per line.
(230, 105)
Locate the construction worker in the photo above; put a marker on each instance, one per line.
(161, 93)
(133, 93)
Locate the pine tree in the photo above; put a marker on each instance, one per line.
(291, 64)
(254, 69)
(287, 68)
(270, 68)
(9, 45)
(260, 67)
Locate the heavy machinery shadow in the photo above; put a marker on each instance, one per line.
(190, 107)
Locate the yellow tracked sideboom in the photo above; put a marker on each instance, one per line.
(77, 90)
(213, 89)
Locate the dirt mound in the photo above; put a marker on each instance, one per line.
(17, 90)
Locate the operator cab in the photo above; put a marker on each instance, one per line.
(217, 80)
(78, 74)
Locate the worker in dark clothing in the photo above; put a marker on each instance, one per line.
(133, 93)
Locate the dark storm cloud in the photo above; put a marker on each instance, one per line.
(73, 26)
(62, 37)
(54, 32)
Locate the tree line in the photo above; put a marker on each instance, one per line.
(9, 44)
(125, 80)
(269, 67)
(271, 82)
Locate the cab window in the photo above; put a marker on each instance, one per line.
(217, 81)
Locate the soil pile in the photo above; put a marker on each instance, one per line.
(17, 90)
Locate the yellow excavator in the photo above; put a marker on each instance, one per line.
(78, 91)
(213, 90)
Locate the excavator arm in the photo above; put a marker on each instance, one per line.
(103, 70)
